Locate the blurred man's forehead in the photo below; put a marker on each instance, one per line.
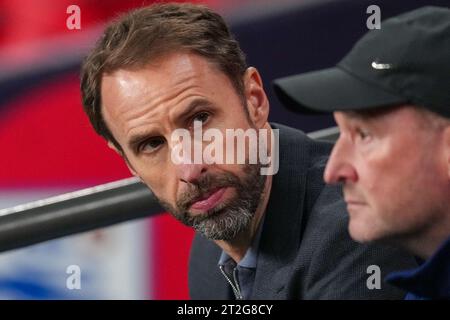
(399, 116)
(372, 113)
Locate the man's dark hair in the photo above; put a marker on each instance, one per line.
(147, 33)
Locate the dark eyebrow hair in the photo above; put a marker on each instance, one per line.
(136, 139)
(197, 102)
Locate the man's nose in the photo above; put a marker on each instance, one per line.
(187, 168)
(339, 168)
(190, 172)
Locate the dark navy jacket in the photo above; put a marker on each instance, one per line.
(429, 281)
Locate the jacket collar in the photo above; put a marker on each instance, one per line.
(283, 219)
(429, 281)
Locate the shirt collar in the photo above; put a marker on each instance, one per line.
(431, 279)
(251, 255)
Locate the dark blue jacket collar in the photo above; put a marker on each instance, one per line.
(429, 281)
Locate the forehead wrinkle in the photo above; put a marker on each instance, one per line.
(158, 90)
(136, 85)
(158, 99)
(163, 105)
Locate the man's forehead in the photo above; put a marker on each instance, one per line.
(173, 64)
(401, 119)
(125, 89)
(373, 114)
(370, 113)
(119, 91)
(130, 95)
(121, 83)
(154, 78)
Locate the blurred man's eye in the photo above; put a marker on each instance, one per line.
(363, 134)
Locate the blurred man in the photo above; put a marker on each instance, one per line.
(391, 97)
(175, 69)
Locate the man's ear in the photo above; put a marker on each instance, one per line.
(257, 103)
(120, 153)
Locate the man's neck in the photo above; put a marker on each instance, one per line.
(429, 241)
(237, 247)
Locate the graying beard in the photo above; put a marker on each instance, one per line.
(227, 220)
(226, 225)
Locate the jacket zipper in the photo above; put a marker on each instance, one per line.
(235, 285)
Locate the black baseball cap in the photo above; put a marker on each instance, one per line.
(407, 61)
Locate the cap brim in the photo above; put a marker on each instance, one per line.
(331, 90)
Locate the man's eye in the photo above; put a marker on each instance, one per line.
(202, 117)
(151, 145)
(362, 133)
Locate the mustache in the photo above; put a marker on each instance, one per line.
(205, 185)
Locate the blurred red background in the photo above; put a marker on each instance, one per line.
(46, 138)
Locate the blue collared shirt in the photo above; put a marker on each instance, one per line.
(429, 281)
(246, 268)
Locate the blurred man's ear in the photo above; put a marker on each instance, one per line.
(257, 103)
(120, 153)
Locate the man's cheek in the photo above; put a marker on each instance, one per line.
(167, 194)
(156, 188)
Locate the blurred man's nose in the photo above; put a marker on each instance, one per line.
(339, 168)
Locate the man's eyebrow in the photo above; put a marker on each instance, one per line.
(198, 102)
(135, 139)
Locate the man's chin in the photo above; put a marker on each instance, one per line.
(364, 232)
(358, 231)
(225, 224)
(192, 218)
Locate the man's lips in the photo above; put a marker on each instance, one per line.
(350, 201)
(354, 204)
(209, 200)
